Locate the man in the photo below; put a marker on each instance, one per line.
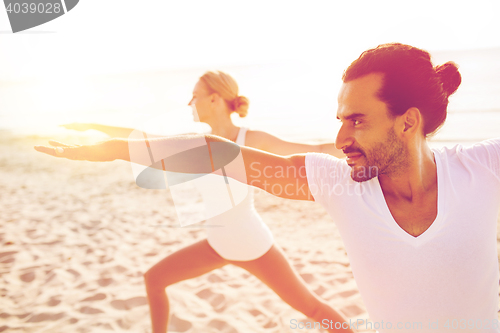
(419, 225)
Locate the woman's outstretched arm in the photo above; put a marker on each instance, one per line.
(112, 131)
(199, 154)
(256, 139)
(268, 142)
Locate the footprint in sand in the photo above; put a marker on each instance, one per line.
(177, 324)
(320, 290)
(309, 278)
(348, 293)
(217, 301)
(119, 304)
(7, 257)
(74, 273)
(90, 310)
(214, 278)
(298, 266)
(170, 243)
(124, 323)
(352, 311)
(96, 297)
(46, 317)
(222, 326)
(260, 315)
(255, 312)
(27, 277)
(105, 282)
(270, 324)
(341, 280)
(129, 303)
(136, 301)
(53, 301)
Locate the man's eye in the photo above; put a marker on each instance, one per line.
(355, 122)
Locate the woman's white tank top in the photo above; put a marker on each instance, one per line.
(239, 233)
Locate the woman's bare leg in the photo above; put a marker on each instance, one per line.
(189, 262)
(274, 270)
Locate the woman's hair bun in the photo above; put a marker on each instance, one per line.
(227, 88)
(240, 105)
(449, 76)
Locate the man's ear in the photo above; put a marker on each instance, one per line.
(411, 121)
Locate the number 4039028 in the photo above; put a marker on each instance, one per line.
(26, 7)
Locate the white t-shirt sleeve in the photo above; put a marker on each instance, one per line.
(323, 174)
(486, 153)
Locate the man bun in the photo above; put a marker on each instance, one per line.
(409, 80)
(449, 76)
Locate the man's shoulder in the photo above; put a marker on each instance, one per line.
(322, 168)
(491, 145)
(482, 154)
(324, 160)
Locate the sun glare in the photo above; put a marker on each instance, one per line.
(55, 94)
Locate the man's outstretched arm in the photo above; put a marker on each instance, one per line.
(283, 176)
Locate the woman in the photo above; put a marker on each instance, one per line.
(244, 240)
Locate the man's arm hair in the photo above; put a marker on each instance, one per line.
(282, 176)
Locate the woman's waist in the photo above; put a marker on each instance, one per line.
(237, 215)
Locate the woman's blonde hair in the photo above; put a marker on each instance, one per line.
(227, 88)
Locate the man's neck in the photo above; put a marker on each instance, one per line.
(416, 179)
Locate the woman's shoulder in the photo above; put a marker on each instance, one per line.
(257, 139)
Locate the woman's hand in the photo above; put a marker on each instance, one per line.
(112, 131)
(78, 126)
(104, 151)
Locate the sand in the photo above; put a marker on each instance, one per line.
(76, 238)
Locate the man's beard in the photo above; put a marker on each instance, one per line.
(389, 157)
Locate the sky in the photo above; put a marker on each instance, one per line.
(114, 36)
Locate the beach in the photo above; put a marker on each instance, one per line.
(76, 238)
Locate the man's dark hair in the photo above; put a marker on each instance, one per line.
(409, 80)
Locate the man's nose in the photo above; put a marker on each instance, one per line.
(344, 138)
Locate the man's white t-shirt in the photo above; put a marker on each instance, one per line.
(446, 279)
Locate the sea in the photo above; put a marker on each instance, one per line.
(293, 100)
